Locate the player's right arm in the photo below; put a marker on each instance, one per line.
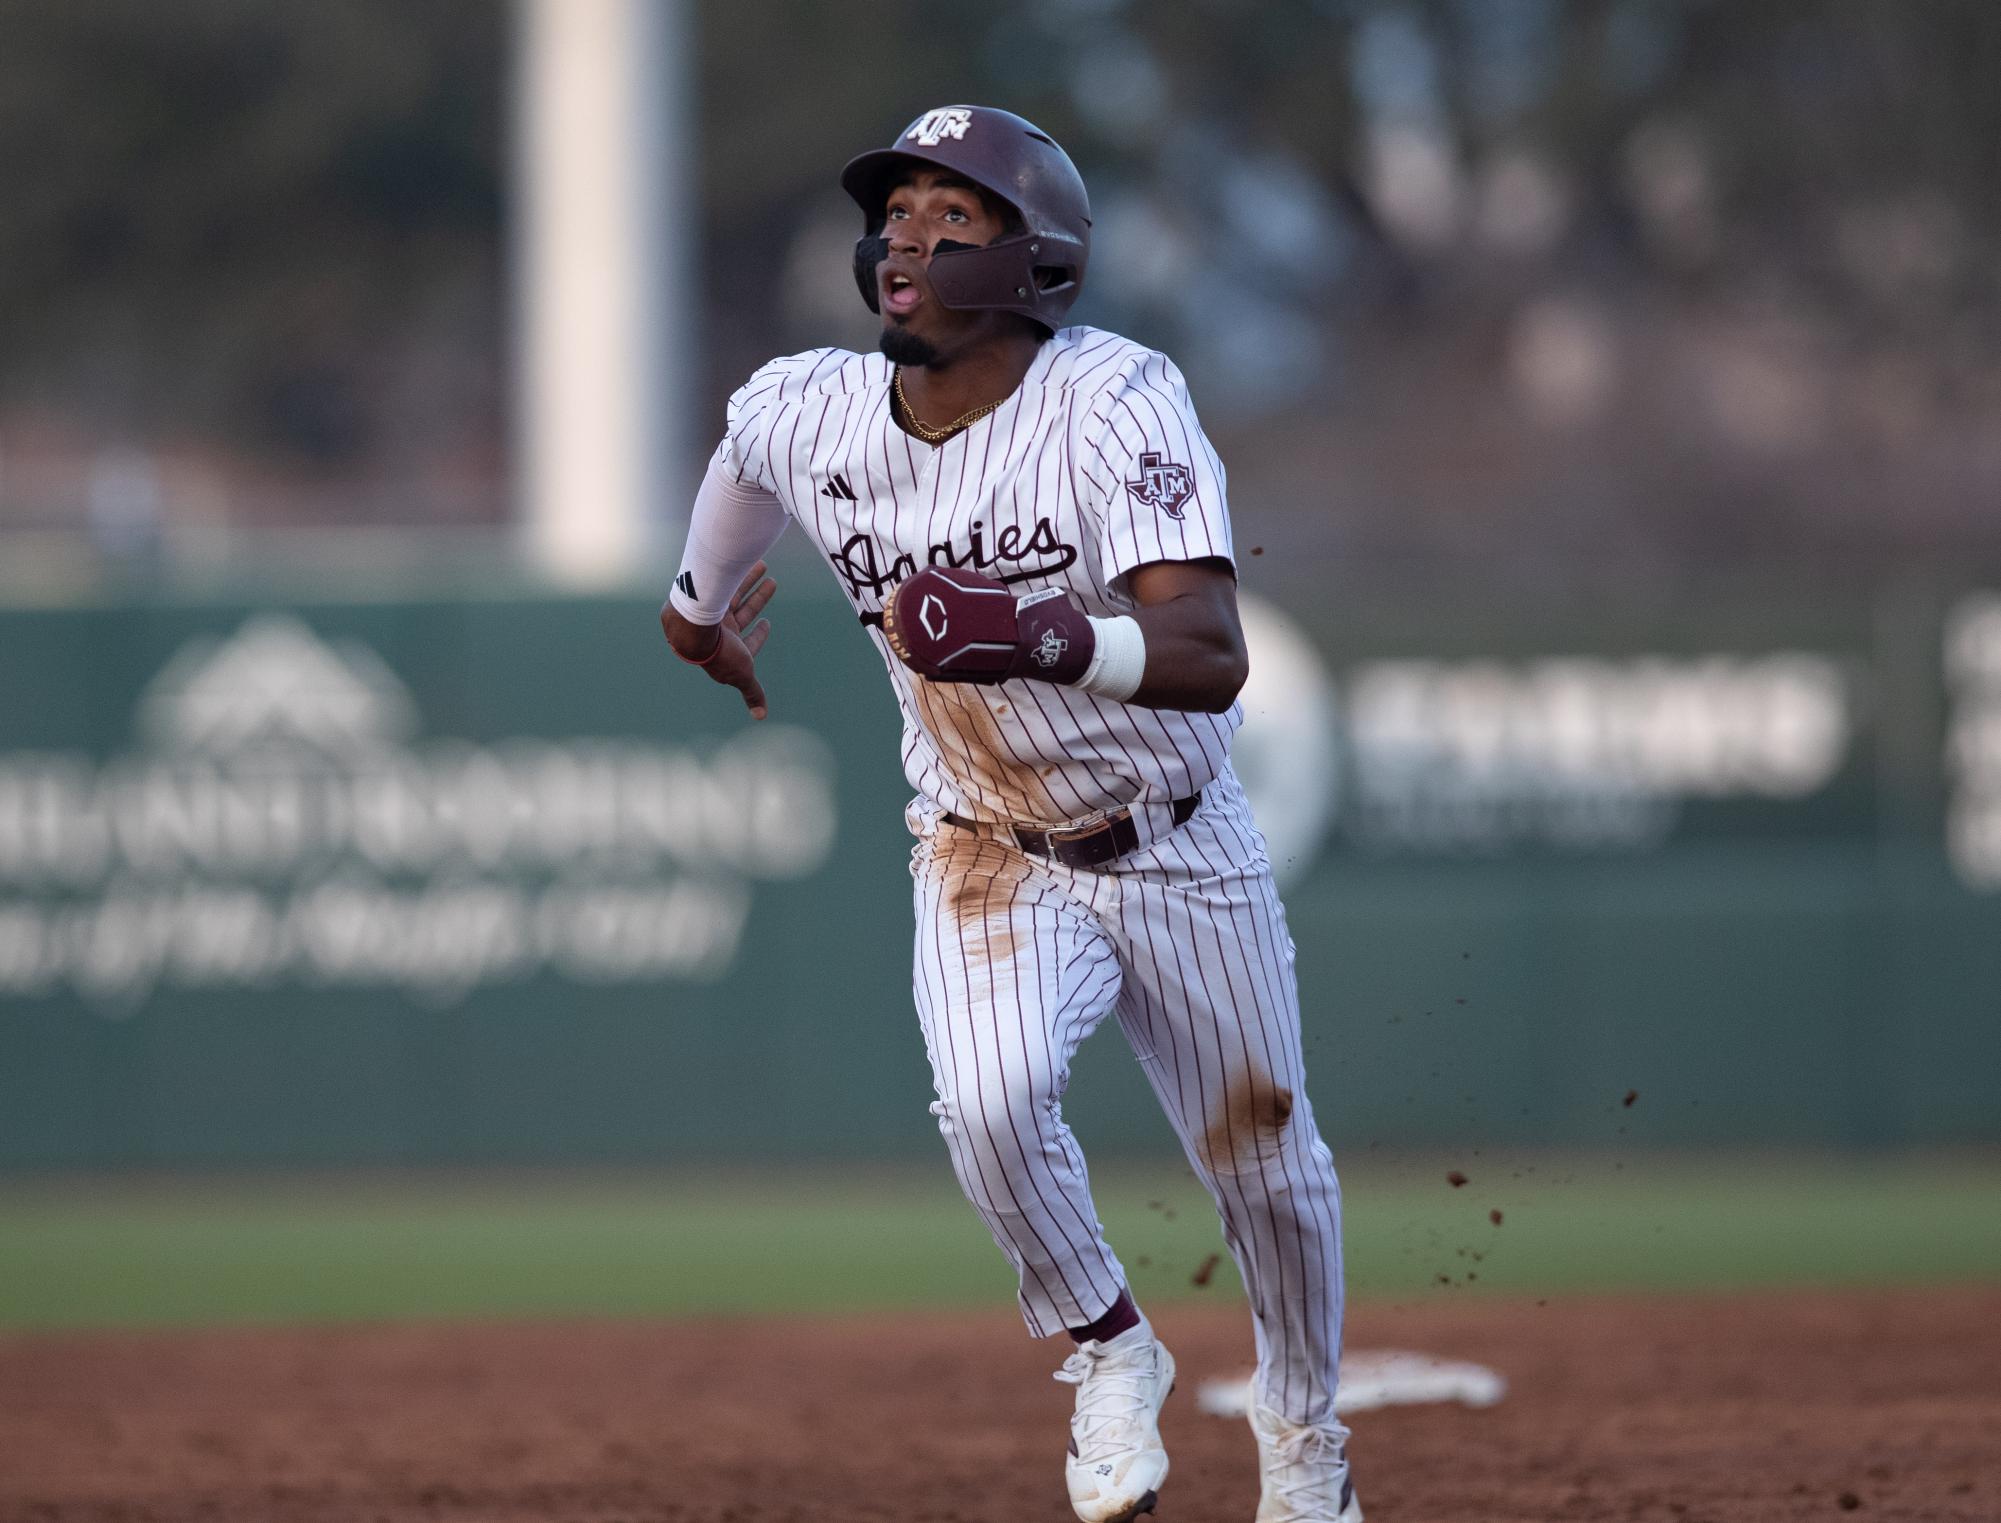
(711, 618)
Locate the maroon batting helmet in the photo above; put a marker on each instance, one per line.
(1036, 270)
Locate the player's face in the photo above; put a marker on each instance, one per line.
(930, 206)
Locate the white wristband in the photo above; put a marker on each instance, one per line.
(1118, 661)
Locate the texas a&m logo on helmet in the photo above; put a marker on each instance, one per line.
(1162, 484)
(933, 127)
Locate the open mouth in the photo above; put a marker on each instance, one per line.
(900, 294)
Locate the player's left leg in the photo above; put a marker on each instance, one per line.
(1210, 1004)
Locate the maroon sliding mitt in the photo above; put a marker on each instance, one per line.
(955, 625)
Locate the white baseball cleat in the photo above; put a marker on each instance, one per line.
(1304, 1470)
(1116, 1463)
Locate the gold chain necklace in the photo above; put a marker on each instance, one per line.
(924, 430)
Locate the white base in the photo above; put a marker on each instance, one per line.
(1377, 1378)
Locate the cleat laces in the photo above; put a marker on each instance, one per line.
(1112, 1396)
(1308, 1468)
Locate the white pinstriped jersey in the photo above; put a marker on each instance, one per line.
(1094, 466)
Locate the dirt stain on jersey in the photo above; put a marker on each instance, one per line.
(969, 738)
(1251, 1125)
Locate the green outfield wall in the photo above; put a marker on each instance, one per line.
(311, 881)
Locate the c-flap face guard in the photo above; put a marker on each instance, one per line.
(1004, 275)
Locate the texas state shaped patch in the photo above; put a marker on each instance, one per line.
(1162, 484)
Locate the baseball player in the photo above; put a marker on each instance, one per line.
(1031, 526)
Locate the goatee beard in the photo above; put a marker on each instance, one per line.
(902, 347)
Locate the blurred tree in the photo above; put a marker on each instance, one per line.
(226, 215)
(1490, 263)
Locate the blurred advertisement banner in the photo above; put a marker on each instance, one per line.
(1562, 752)
(496, 879)
(283, 821)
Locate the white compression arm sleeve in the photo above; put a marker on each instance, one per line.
(730, 528)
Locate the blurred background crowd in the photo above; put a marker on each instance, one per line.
(1632, 290)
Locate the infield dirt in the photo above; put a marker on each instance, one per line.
(1699, 1410)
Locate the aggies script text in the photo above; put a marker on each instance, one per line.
(859, 560)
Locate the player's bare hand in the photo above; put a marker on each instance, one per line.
(749, 603)
(728, 651)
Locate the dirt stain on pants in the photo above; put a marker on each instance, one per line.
(1250, 1127)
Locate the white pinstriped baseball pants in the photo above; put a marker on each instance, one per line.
(1019, 959)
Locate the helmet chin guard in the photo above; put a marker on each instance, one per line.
(870, 251)
(963, 275)
(1036, 272)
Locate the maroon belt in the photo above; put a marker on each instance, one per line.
(1102, 840)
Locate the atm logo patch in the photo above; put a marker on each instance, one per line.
(1162, 484)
